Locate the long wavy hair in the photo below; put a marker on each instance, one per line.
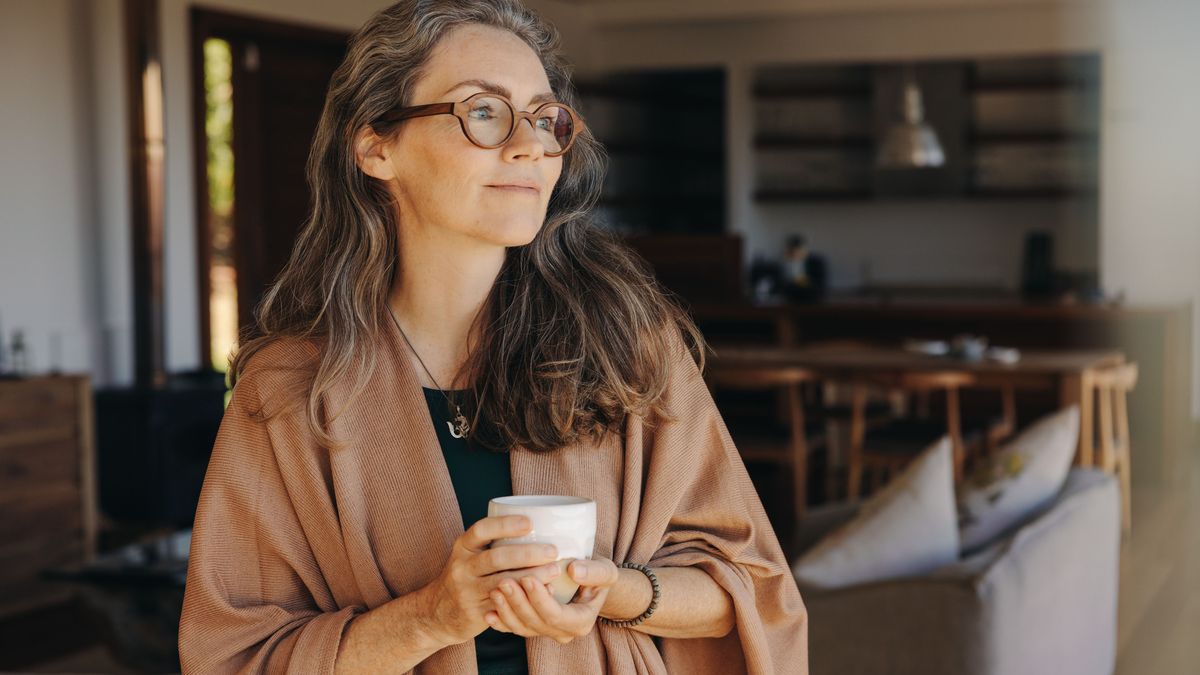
(577, 330)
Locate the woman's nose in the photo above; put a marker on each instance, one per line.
(525, 139)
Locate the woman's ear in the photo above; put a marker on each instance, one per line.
(372, 154)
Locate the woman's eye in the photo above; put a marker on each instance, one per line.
(487, 112)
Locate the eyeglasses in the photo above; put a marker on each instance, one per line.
(489, 120)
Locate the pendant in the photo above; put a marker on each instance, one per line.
(460, 427)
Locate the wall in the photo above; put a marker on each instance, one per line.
(1144, 241)
(63, 233)
(901, 241)
(65, 266)
(1150, 173)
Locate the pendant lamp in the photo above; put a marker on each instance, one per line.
(911, 143)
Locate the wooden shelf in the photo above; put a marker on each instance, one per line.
(953, 85)
(811, 195)
(847, 143)
(1031, 137)
(48, 493)
(674, 201)
(1032, 87)
(672, 149)
(1030, 193)
(868, 195)
(672, 174)
(641, 94)
(849, 92)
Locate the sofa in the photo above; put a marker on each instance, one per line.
(1040, 598)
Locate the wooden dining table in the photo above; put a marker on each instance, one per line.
(1069, 371)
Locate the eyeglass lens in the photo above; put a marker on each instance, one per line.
(491, 119)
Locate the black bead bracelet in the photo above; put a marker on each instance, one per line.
(653, 601)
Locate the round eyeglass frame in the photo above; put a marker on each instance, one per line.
(460, 109)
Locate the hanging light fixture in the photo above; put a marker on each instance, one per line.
(911, 143)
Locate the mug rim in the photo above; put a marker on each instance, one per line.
(541, 500)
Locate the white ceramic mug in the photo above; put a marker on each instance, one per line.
(567, 522)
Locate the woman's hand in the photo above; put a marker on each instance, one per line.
(459, 597)
(528, 609)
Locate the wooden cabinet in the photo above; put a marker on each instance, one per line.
(1009, 128)
(664, 135)
(813, 132)
(48, 513)
(1034, 126)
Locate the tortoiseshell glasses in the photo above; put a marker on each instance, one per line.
(489, 120)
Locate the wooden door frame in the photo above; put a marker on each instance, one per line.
(143, 55)
(231, 26)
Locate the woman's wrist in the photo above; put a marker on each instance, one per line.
(397, 634)
(433, 634)
(629, 597)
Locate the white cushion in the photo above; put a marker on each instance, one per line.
(1024, 476)
(907, 528)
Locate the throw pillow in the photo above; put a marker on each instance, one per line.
(1023, 477)
(909, 527)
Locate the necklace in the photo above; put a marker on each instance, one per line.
(459, 427)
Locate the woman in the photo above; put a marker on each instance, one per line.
(438, 339)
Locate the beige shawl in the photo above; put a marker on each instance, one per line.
(290, 542)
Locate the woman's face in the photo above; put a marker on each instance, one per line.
(441, 179)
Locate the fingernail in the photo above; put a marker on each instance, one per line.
(508, 589)
(580, 571)
(550, 551)
(527, 582)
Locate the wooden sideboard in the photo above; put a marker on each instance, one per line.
(48, 501)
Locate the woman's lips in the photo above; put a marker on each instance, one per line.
(515, 188)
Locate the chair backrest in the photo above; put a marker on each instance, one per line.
(843, 344)
(939, 379)
(922, 380)
(1112, 419)
(757, 377)
(1121, 378)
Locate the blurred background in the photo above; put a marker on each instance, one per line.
(895, 220)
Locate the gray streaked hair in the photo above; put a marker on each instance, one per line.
(577, 327)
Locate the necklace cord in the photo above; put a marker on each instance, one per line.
(460, 420)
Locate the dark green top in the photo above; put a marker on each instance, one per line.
(478, 475)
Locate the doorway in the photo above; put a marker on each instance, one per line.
(258, 86)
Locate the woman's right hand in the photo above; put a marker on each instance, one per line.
(459, 596)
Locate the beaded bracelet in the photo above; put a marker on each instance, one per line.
(653, 601)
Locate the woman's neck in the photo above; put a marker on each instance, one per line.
(443, 281)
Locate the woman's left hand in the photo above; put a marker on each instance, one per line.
(529, 610)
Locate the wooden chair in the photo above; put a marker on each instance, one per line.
(834, 411)
(1112, 388)
(893, 445)
(733, 375)
(996, 428)
(1003, 428)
